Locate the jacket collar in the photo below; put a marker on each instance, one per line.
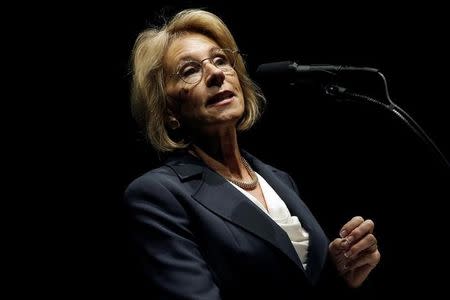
(236, 208)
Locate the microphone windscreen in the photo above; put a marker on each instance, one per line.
(276, 68)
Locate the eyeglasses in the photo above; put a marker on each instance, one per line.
(191, 71)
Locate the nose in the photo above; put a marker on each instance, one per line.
(214, 76)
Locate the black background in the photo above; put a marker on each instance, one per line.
(348, 158)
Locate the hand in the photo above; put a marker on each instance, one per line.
(355, 253)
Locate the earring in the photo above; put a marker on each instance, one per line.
(174, 123)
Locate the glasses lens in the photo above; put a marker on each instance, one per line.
(192, 71)
(224, 60)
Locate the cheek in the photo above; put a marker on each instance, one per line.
(179, 96)
(189, 103)
(171, 91)
(241, 93)
(237, 84)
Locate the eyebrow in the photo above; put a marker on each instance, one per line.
(190, 57)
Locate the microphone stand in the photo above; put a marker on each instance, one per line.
(336, 90)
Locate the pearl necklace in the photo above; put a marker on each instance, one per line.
(250, 185)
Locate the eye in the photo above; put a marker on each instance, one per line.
(190, 69)
(220, 60)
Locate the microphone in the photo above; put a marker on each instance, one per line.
(289, 68)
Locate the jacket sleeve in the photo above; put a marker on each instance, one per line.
(164, 244)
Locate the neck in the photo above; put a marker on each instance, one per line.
(221, 152)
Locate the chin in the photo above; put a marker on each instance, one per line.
(231, 115)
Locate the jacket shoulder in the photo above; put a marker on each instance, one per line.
(151, 180)
(282, 175)
(258, 162)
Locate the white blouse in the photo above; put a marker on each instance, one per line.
(278, 211)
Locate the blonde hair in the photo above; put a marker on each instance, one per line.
(149, 102)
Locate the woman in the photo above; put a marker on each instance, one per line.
(214, 222)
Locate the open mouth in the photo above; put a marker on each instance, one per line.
(220, 98)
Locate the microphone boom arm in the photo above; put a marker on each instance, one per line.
(334, 90)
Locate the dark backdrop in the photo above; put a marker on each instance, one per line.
(348, 158)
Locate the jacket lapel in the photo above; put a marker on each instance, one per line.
(318, 242)
(219, 196)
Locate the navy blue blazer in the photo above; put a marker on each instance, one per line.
(198, 237)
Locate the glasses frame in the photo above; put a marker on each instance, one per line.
(232, 56)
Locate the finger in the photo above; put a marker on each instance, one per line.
(342, 268)
(336, 246)
(364, 228)
(341, 264)
(365, 244)
(337, 253)
(371, 249)
(371, 259)
(350, 225)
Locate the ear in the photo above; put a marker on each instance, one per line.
(172, 116)
(172, 120)
(174, 123)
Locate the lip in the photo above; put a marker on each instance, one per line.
(221, 98)
(222, 102)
